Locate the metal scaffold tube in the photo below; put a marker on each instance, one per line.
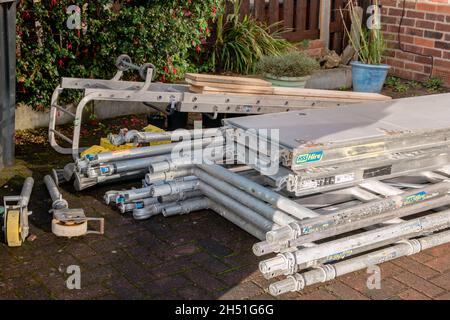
(241, 210)
(328, 272)
(371, 213)
(259, 191)
(55, 195)
(152, 150)
(287, 261)
(270, 213)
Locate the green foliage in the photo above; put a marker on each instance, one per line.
(372, 45)
(170, 34)
(397, 84)
(291, 64)
(433, 84)
(241, 42)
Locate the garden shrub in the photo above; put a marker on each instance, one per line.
(170, 34)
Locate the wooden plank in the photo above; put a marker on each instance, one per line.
(314, 8)
(288, 14)
(227, 79)
(329, 94)
(260, 10)
(300, 15)
(227, 86)
(325, 16)
(240, 89)
(274, 11)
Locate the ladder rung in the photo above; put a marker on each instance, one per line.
(59, 134)
(63, 110)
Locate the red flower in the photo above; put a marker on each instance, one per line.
(187, 13)
(166, 69)
(69, 46)
(174, 71)
(198, 49)
(61, 63)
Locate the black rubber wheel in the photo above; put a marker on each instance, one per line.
(177, 120)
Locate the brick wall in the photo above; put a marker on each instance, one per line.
(425, 30)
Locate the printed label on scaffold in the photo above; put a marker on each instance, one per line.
(309, 157)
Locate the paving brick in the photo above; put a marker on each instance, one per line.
(343, 291)
(445, 296)
(123, 289)
(204, 280)
(210, 263)
(389, 288)
(242, 291)
(415, 267)
(412, 294)
(419, 284)
(162, 286)
(322, 294)
(440, 264)
(442, 281)
(439, 251)
(192, 292)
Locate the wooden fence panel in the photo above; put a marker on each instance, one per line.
(300, 18)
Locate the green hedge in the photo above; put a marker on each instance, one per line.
(170, 34)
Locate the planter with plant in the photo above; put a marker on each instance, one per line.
(241, 41)
(292, 69)
(369, 73)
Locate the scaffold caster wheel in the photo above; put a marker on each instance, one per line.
(69, 230)
(13, 235)
(123, 62)
(143, 70)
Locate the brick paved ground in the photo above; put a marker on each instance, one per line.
(197, 256)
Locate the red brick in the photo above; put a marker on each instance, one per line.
(388, 3)
(415, 32)
(414, 66)
(413, 14)
(440, 264)
(426, 24)
(412, 294)
(321, 294)
(419, 284)
(343, 291)
(433, 34)
(445, 296)
(405, 55)
(395, 12)
(443, 45)
(424, 42)
(422, 257)
(442, 281)
(432, 52)
(415, 267)
(395, 63)
(420, 76)
(422, 59)
(443, 27)
(434, 17)
(389, 289)
(446, 55)
(408, 22)
(390, 20)
(442, 63)
(426, 7)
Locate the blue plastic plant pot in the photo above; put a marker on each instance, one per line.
(368, 77)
